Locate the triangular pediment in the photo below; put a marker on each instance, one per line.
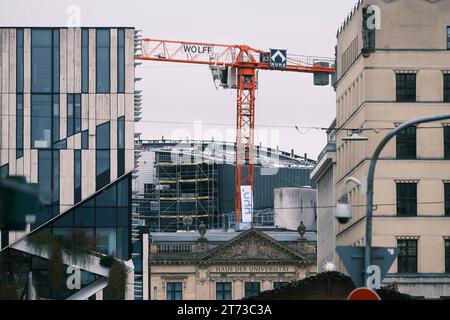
(253, 245)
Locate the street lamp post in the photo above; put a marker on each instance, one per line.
(370, 178)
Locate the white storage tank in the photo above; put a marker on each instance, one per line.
(293, 205)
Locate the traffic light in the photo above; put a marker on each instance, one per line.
(19, 203)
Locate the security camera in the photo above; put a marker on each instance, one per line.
(343, 212)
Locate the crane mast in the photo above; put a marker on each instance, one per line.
(244, 61)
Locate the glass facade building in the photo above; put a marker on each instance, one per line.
(67, 123)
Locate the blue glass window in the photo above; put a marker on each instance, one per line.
(65, 221)
(103, 58)
(122, 243)
(4, 171)
(55, 60)
(121, 146)
(122, 217)
(106, 240)
(102, 155)
(41, 61)
(62, 144)
(84, 217)
(107, 198)
(41, 121)
(73, 114)
(121, 60)
(45, 176)
(252, 289)
(77, 176)
(122, 193)
(174, 290)
(77, 121)
(85, 140)
(106, 217)
(49, 186)
(19, 61)
(223, 290)
(19, 126)
(80, 222)
(70, 114)
(56, 176)
(77, 124)
(84, 60)
(56, 118)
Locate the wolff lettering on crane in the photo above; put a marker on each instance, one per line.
(188, 48)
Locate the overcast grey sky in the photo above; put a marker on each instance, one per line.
(185, 93)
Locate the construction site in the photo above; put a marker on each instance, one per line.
(180, 184)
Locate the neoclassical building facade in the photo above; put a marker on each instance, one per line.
(227, 265)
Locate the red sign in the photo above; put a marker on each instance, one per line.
(363, 294)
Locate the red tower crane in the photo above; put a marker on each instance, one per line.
(236, 66)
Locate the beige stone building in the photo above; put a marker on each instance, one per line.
(227, 265)
(397, 71)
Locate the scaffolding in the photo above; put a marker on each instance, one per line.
(177, 186)
(183, 194)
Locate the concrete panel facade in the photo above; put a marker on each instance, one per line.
(95, 109)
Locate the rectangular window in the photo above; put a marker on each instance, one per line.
(121, 61)
(223, 290)
(41, 61)
(70, 114)
(55, 59)
(4, 171)
(407, 259)
(85, 60)
(447, 87)
(447, 199)
(102, 155)
(77, 176)
(252, 289)
(121, 146)
(277, 285)
(45, 60)
(56, 176)
(406, 87)
(447, 256)
(73, 114)
(448, 38)
(19, 61)
(56, 118)
(174, 290)
(19, 126)
(447, 142)
(77, 121)
(45, 176)
(103, 67)
(4, 234)
(406, 143)
(85, 140)
(406, 199)
(106, 240)
(41, 121)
